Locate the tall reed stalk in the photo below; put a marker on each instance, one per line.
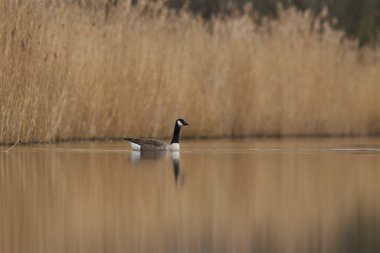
(68, 72)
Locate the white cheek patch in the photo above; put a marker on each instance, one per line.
(179, 123)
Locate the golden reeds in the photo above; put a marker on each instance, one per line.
(67, 72)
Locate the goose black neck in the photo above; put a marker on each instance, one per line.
(175, 138)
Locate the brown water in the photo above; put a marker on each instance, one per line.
(289, 195)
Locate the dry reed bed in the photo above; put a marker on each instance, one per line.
(68, 73)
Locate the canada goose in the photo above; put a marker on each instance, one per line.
(157, 145)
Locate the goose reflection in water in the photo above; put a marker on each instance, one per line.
(137, 156)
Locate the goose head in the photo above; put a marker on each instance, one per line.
(181, 123)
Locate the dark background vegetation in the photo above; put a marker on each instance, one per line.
(359, 19)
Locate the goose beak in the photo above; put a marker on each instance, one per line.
(186, 124)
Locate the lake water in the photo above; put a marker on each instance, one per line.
(257, 195)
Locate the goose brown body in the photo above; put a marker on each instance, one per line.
(150, 144)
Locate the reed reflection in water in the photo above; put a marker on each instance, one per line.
(226, 196)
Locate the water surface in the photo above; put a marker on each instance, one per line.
(258, 195)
